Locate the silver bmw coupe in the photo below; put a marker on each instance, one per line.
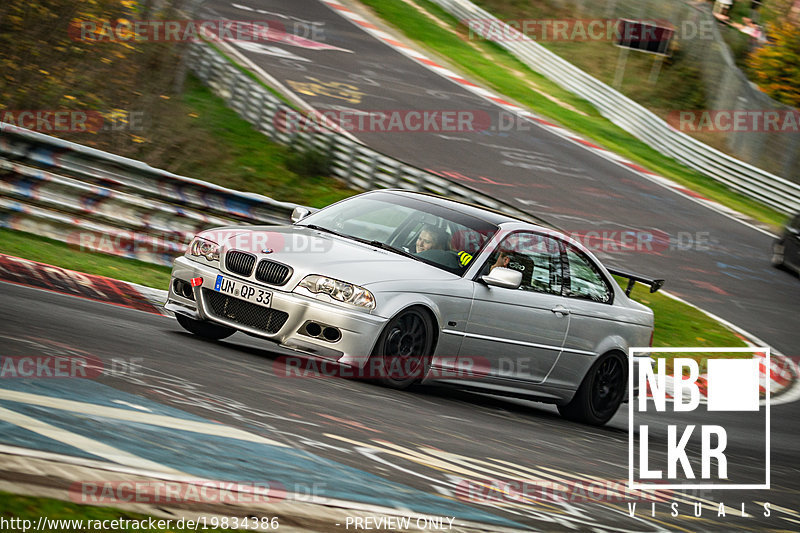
(406, 287)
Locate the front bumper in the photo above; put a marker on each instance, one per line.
(359, 329)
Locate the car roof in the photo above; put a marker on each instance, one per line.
(484, 213)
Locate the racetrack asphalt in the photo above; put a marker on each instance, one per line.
(358, 441)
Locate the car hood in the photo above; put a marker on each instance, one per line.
(310, 251)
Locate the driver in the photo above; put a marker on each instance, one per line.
(503, 259)
(431, 238)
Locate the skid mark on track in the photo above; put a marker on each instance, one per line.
(448, 472)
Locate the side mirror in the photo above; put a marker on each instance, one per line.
(300, 213)
(503, 277)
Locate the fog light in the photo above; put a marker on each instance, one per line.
(196, 282)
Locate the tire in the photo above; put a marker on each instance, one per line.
(402, 354)
(204, 329)
(778, 258)
(600, 393)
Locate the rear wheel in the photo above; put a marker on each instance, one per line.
(600, 393)
(204, 329)
(402, 354)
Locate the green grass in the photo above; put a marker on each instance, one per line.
(243, 158)
(681, 325)
(493, 66)
(57, 253)
(13, 506)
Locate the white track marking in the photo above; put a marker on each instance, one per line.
(205, 428)
(91, 446)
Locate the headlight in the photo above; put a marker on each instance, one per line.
(339, 290)
(203, 248)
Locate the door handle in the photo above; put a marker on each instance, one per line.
(560, 310)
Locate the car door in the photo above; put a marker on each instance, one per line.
(516, 335)
(791, 250)
(589, 297)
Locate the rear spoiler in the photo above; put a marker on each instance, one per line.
(654, 284)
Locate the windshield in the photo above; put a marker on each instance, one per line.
(430, 233)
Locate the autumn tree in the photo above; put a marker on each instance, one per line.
(49, 61)
(776, 65)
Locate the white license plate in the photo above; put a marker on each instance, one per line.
(243, 290)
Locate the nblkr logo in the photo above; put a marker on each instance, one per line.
(664, 402)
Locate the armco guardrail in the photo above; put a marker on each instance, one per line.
(770, 189)
(100, 201)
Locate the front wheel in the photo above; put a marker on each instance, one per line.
(600, 393)
(204, 329)
(402, 354)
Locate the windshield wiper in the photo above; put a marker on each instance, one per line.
(384, 246)
(326, 230)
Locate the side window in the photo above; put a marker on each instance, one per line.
(538, 258)
(585, 280)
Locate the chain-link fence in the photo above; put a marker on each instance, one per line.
(727, 88)
(699, 39)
